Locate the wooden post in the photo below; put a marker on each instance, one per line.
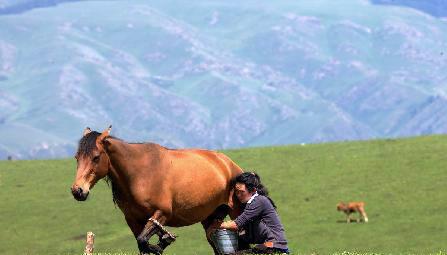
(90, 243)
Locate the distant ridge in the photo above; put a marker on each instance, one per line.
(217, 75)
(436, 8)
(21, 6)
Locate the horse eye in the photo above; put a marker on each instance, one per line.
(96, 159)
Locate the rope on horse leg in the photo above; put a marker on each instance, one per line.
(166, 235)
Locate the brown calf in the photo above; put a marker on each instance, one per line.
(353, 207)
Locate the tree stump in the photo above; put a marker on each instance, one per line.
(90, 243)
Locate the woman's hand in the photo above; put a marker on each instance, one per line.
(219, 224)
(212, 228)
(230, 225)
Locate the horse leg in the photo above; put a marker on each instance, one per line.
(219, 214)
(143, 240)
(154, 226)
(134, 226)
(137, 229)
(348, 217)
(206, 224)
(363, 213)
(165, 238)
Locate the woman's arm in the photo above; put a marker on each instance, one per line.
(251, 212)
(230, 225)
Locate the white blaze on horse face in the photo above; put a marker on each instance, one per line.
(91, 168)
(85, 175)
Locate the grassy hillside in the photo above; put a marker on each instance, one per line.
(402, 182)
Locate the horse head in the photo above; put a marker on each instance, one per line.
(92, 162)
(341, 206)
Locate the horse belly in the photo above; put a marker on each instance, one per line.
(195, 205)
(185, 219)
(187, 215)
(202, 183)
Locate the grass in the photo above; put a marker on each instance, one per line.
(402, 182)
(338, 253)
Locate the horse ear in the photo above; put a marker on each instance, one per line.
(103, 135)
(87, 131)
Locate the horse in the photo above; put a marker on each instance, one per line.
(156, 187)
(353, 207)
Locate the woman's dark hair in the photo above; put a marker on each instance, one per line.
(253, 183)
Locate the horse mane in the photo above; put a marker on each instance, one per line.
(87, 143)
(116, 194)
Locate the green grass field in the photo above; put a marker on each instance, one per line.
(403, 183)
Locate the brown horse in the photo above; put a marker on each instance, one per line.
(155, 186)
(352, 207)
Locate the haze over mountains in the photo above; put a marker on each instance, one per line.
(219, 74)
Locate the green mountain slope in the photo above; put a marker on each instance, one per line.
(401, 181)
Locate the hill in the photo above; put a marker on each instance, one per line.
(217, 74)
(437, 8)
(402, 182)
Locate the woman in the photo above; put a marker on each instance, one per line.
(259, 222)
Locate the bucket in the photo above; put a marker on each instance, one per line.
(225, 241)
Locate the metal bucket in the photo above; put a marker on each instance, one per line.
(225, 241)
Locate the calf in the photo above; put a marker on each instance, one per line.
(353, 207)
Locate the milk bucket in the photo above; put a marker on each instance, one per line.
(225, 241)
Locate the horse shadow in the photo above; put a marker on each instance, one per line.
(351, 221)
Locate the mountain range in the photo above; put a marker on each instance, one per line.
(219, 74)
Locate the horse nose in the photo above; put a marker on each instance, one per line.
(78, 193)
(75, 190)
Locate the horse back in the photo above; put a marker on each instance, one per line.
(356, 206)
(204, 160)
